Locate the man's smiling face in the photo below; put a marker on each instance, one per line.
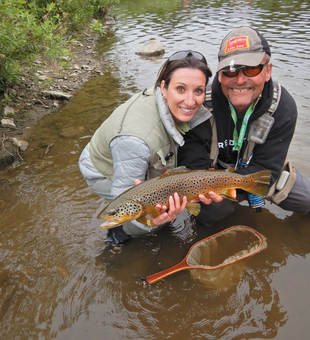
(241, 90)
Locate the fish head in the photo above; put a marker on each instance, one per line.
(126, 211)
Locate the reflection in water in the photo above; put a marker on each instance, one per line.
(58, 279)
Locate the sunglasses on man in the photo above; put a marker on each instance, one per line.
(249, 71)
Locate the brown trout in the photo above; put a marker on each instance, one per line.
(138, 203)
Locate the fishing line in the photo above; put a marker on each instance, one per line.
(143, 277)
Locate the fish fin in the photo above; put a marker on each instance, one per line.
(193, 208)
(262, 181)
(230, 169)
(151, 212)
(229, 194)
(142, 219)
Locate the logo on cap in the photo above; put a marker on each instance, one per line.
(237, 43)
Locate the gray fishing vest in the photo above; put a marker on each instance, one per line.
(138, 117)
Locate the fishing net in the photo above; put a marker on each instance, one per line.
(217, 251)
(225, 248)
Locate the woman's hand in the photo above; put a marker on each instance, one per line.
(175, 208)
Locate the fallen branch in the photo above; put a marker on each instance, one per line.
(48, 148)
(4, 148)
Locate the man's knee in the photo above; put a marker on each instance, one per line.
(298, 200)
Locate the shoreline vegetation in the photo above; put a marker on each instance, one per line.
(47, 53)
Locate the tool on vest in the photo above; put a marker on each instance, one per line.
(282, 187)
(169, 156)
(217, 251)
(282, 180)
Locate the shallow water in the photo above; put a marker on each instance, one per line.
(59, 280)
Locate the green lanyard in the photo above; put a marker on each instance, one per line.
(238, 141)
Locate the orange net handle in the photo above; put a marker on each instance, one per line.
(183, 264)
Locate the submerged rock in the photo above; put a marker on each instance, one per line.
(71, 131)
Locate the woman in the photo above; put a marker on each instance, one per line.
(140, 138)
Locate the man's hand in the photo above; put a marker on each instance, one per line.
(213, 198)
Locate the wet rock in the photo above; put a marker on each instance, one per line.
(57, 95)
(151, 48)
(8, 123)
(21, 144)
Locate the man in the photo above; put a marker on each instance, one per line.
(255, 121)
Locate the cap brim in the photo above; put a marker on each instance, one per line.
(246, 59)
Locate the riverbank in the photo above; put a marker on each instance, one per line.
(43, 91)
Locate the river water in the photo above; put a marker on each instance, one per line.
(59, 280)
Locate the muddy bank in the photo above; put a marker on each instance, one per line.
(41, 92)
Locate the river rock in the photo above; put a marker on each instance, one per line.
(43, 78)
(151, 48)
(8, 123)
(21, 144)
(57, 95)
(7, 110)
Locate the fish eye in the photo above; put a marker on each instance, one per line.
(112, 212)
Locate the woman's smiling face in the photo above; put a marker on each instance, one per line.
(185, 93)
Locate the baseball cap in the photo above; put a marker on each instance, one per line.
(242, 46)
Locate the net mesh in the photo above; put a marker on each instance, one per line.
(227, 247)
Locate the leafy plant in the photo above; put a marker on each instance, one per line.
(30, 29)
(97, 27)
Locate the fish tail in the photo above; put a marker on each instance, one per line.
(261, 183)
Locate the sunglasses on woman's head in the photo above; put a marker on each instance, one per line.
(249, 71)
(184, 54)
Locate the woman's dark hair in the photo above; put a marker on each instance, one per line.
(169, 67)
